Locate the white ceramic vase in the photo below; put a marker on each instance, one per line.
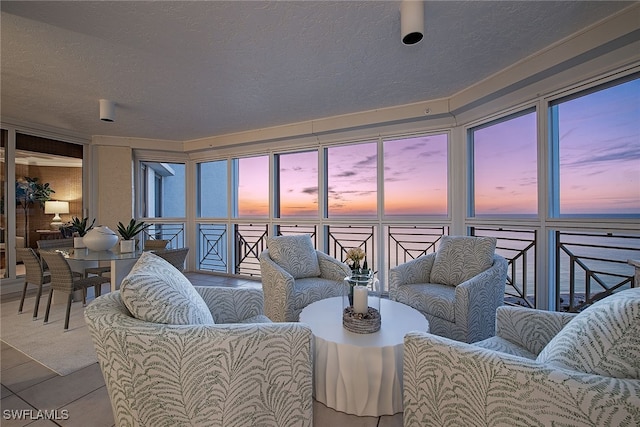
(100, 238)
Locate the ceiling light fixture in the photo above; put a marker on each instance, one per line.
(411, 21)
(107, 110)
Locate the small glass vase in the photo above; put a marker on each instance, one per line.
(361, 302)
(353, 289)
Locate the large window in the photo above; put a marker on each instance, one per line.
(595, 140)
(504, 170)
(352, 179)
(415, 176)
(212, 189)
(297, 184)
(253, 186)
(163, 189)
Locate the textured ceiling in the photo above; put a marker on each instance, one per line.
(187, 70)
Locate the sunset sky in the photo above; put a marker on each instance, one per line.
(600, 152)
(599, 167)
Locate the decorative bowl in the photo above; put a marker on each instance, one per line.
(100, 238)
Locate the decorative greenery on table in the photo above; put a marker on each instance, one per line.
(131, 230)
(80, 225)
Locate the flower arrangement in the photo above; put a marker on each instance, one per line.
(360, 274)
(354, 256)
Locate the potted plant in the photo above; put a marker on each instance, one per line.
(28, 193)
(80, 229)
(128, 232)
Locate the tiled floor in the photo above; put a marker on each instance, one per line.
(81, 399)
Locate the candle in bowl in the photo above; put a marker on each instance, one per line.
(360, 299)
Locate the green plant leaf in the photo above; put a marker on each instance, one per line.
(128, 232)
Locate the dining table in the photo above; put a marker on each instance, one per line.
(119, 262)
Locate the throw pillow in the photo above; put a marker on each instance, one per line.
(155, 291)
(295, 254)
(604, 339)
(459, 258)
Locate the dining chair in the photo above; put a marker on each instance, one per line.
(52, 243)
(175, 257)
(155, 244)
(35, 274)
(63, 280)
(98, 271)
(68, 243)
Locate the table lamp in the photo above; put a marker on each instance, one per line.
(56, 207)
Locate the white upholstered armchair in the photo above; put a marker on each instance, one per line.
(541, 369)
(294, 275)
(205, 360)
(458, 288)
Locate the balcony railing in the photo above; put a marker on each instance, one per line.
(343, 238)
(212, 247)
(581, 276)
(407, 243)
(250, 241)
(173, 232)
(591, 266)
(518, 247)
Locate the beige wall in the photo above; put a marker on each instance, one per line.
(114, 185)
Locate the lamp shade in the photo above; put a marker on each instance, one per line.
(56, 207)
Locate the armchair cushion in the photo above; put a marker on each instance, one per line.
(523, 331)
(505, 346)
(459, 258)
(433, 298)
(155, 291)
(312, 289)
(295, 254)
(233, 305)
(603, 340)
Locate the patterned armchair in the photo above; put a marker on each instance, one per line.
(458, 288)
(222, 367)
(542, 368)
(295, 275)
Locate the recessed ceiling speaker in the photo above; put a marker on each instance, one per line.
(411, 21)
(107, 110)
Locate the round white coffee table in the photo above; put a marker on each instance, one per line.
(360, 374)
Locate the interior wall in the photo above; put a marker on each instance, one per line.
(112, 173)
